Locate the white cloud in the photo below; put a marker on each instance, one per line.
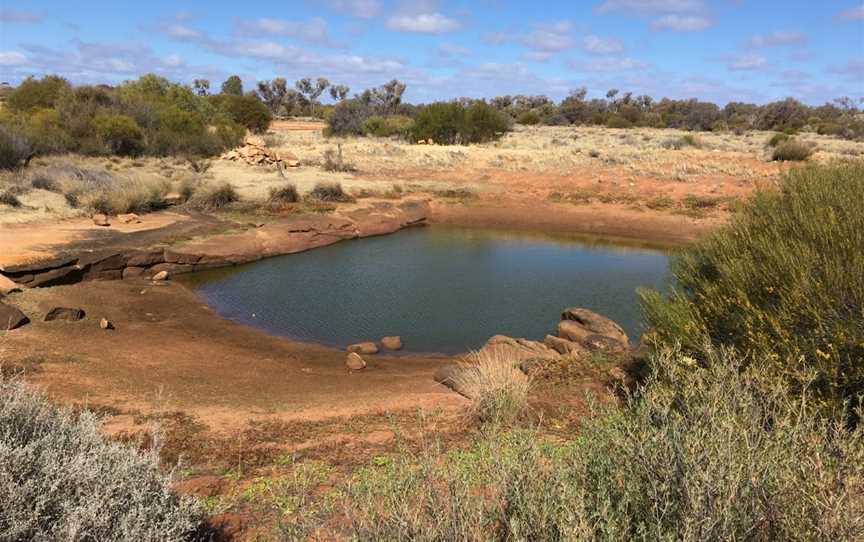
(747, 62)
(609, 65)
(776, 39)
(495, 38)
(650, 7)
(852, 14)
(12, 58)
(536, 56)
(364, 9)
(681, 23)
(550, 37)
(453, 50)
(181, 32)
(9, 15)
(314, 30)
(853, 69)
(423, 23)
(602, 46)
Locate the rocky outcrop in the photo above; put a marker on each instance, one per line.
(11, 317)
(255, 152)
(288, 236)
(577, 324)
(516, 350)
(7, 286)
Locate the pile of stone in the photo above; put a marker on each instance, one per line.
(255, 152)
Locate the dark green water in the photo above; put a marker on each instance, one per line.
(443, 290)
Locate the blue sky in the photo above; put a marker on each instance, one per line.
(719, 50)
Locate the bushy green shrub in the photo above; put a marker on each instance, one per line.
(451, 123)
(349, 118)
(246, 110)
(717, 455)
(617, 121)
(14, 148)
(777, 139)
(783, 279)
(60, 479)
(396, 125)
(529, 118)
(37, 93)
(120, 133)
(792, 150)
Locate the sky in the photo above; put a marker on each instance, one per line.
(716, 50)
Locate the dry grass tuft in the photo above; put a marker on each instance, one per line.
(497, 389)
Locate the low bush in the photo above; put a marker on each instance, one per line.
(792, 150)
(42, 182)
(617, 121)
(120, 133)
(15, 149)
(9, 199)
(687, 140)
(783, 279)
(529, 118)
(215, 197)
(284, 194)
(717, 455)
(60, 479)
(396, 125)
(451, 123)
(348, 118)
(246, 110)
(777, 139)
(334, 162)
(498, 390)
(332, 192)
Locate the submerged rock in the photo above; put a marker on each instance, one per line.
(363, 348)
(393, 342)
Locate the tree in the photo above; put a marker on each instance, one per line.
(389, 95)
(201, 87)
(274, 94)
(233, 86)
(339, 92)
(312, 90)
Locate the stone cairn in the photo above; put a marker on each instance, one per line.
(254, 151)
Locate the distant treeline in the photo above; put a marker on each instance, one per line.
(152, 115)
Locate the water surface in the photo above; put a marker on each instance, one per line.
(443, 290)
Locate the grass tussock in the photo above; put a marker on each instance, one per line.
(330, 192)
(792, 150)
(284, 194)
(334, 162)
(8, 198)
(720, 455)
(61, 480)
(782, 279)
(497, 389)
(686, 140)
(215, 197)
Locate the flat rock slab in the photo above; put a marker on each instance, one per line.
(64, 313)
(11, 317)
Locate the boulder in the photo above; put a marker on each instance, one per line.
(133, 272)
(129, 218)
(363, 348)
(101, 220)
(161, 275)
(517, 350)
(11, 317)
(354, 362)
(7, 286)
(57, 277)
(447, 376)
(64, 313)
(577, 324)
(563, 346)
(393, 342)
(602, 343)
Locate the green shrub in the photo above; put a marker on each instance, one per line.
(15, 149)
(349, 118)
(45, 132)
(37, 93)
(783, 279)
(120, 133)
(246, 110)
(791, 150)
(617, 121)
(284, 194)
(396, 125)
(450, 123)
(529, 118)
(716, 455)
(60, 479)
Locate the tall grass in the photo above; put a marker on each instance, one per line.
(497, 389)
(784, 279)
(720, 455)
(60, 480)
